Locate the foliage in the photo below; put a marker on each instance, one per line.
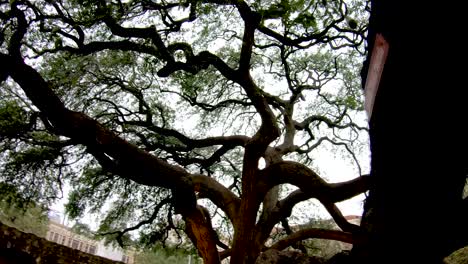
(21, 213)
(83, 229)
(13, 119)
(161, 255)
(458, 257)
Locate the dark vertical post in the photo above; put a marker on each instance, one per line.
(418, 135)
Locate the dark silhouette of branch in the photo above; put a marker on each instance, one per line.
(21, 28)
(219, 195)
(314, 233)
(149, 220)
(326, 193)
(309, 182)
(340, 220)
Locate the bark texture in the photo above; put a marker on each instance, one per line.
(418, 141)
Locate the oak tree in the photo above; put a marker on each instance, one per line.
(203, 109)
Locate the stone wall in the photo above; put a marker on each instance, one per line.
(17, 247)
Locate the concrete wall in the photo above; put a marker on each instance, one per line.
(14, 243)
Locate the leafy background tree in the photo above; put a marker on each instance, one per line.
(188, 116)
(167, 256)
(21, 213)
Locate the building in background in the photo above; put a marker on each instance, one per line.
(62, 234)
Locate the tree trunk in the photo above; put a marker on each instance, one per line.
(417, 141)
(245, 249)
(200, 231)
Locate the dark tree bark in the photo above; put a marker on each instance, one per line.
(418, 136)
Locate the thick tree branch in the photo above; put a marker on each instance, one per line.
(309, 182)
(204, 162)
(314, 233)
(340, 220)
(218, 194)
(251, 21)
(311, 186)
(96, 46)
(284, 207)
(235, 140)
(282, 210)
(123, 45)
(308, 39)
(268, 130)
(192, 100)
(18, 34)
(132, 162)
(143, 33)
(322, 119)
(298, 245)
(194, 63)
(200, 231)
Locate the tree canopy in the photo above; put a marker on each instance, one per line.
(203, 109)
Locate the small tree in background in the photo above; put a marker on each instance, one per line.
(166, 255)
(21, 213)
